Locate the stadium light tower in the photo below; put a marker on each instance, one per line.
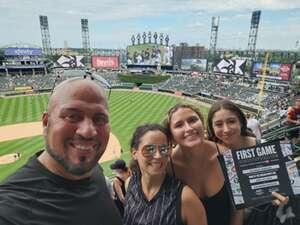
(85, 38)
(47, 50)
(253, 32)
(214, 34)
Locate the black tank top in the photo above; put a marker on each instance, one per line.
(163, 209)
(217, 207)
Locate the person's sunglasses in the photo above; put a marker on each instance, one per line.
(93, 76)
(150, 150)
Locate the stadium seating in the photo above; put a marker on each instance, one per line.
(274, 101)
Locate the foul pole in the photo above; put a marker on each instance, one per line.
(261, 83)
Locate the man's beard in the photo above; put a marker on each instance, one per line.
(77, 170)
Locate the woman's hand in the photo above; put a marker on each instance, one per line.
(279, 199)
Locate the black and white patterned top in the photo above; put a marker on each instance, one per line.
(163, 209)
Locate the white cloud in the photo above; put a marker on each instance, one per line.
(196, 25)
(19, 19)
(117, 9)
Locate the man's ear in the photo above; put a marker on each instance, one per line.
(45, 121)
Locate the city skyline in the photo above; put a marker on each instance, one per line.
(113, 22)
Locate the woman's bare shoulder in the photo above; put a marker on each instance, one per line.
(211, 149)
(176, 154)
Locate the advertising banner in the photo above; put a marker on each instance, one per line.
(23, 51)
(108, 62)
(70, 61)
(230, 66)
(252, 174)
(149, 54)
(194, 64)
(275, 71)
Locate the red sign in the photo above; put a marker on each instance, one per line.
(109, 62)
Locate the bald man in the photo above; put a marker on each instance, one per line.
(64, 184)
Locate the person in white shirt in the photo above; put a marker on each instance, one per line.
(254, 125)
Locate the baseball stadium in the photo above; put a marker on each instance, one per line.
(142, 82)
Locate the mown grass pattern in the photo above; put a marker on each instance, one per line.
(22, 109)
(128, 109)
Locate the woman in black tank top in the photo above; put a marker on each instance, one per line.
(227, 126)
(153, 196)
(194, 161)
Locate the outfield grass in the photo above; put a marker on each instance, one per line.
(128, 110)
(22, 109)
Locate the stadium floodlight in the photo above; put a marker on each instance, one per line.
(47, 50)
(253, 32)
(214, 34)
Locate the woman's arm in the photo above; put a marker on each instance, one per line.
(127, 183)
(192, 210)
(118, 190)
(237, 217)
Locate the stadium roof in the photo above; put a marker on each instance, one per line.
(21, 45)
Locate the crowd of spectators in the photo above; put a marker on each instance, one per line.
(220, 86)
(274, 98)
(35, 82)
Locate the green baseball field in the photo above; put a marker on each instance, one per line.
(128, 109)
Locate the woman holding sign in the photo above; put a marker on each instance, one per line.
(227, 126)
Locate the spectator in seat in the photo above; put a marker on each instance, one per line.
(293, 120)
(254, 126)
(121, 170)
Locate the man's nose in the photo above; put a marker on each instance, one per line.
(86, 128)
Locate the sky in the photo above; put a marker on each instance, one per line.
(113, 22)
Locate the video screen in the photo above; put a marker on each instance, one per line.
(70, 61)
(194, 64)
(230, 66)
(149, 54)
(275, 71)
